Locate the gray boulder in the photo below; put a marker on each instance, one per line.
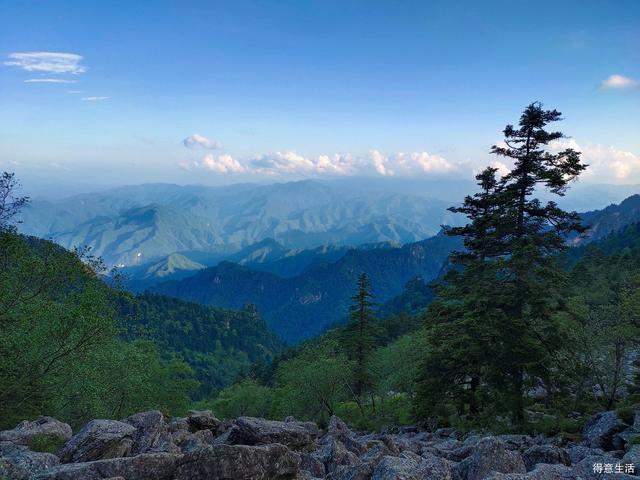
(239, 462)
(541, 472)
(578, 453)
(257, 431)
(99, 439)
(147, 466)
(600, 429)
(490, 455)
(545, 454)
(412, 467)
(150, 433)
(633, 457)
(333, 454)
(202, 420)
(45, 428)
(396, 468)
(17, 462)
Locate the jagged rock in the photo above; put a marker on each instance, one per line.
(334, 454)
(150, 428)
(410, 467)
(196, 441)
(312, 465)
(99, 439)
(541, 472)
(545, 454)
(395, 468)
(515, 442)
(621, 440)
(46, 428)
(257, 431)
(435, 467)
(17, 462)
(599, 430)
(338, 429)
(239, 462)
(633, 457)
(202, 420)
(178, 423)
(585, 468)
(147, 466)
(490, 455)
(578, 453)
(361, 471)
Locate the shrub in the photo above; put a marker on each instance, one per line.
(626, 414)
(45, 443)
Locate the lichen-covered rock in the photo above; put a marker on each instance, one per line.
(17, 462)
(490, 455)
(577, 453)
(202, 420)
(147, 466)
(412, 467)
(541, 472)
(45, 428)
(239, 462)
(545, 454)
(150, 428)
(633, 457)
(257, 431)
(99, 439)
(600, 429)
(333, 454)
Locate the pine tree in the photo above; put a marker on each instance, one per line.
(529, 235)
(506, 289)
(359, 336)
(460, 322)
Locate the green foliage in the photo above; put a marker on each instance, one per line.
(626, 414)
(634, 440)
(60, 352)
(218, 344)
(496, 323)
(45, 443)
(246, 398)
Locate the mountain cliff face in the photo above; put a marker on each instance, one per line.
(141, 224)
(302, 306)
(601, 223)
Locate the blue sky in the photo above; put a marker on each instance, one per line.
(219, 92)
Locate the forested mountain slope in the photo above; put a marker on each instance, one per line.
(302, 306)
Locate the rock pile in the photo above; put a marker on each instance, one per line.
(200, 447)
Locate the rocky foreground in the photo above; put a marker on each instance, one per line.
(200, 447)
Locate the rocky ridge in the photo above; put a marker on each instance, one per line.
(146, 446)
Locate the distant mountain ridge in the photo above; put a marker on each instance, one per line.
(135, 225)
(302, 306)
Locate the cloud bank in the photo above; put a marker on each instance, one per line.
(290, 163)
(47, 62)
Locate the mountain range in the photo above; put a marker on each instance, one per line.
(135, 225)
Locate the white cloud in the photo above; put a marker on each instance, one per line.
(94, 99)
(199, 140)
(49, 80)
(47, 62)
(605, 163)
(289, 163)
(282, 162)
(222, 164)
(619, 82)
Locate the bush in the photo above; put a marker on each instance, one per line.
(45, 443)
(626, 414)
